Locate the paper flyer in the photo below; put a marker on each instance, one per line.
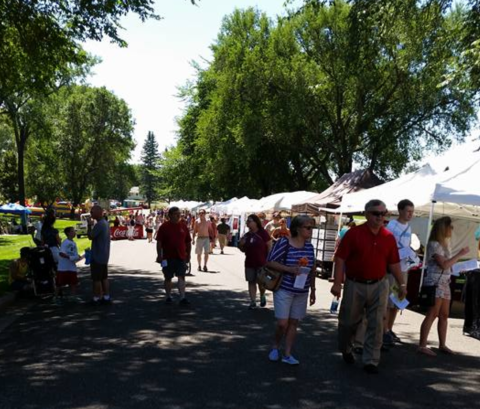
(301, 279)
(400, 304)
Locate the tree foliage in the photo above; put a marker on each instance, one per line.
(150, 163)
(293, 104)
(93, 129)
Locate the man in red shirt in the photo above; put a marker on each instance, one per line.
(364, 254)
(173, 252)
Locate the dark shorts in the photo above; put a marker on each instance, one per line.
(175, 267)
(66, 278)
(19, 285)
(98, 271)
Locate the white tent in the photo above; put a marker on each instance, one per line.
(241, 206)
(461, 192)
(282, 201)
(184, 205)
(220, 207)
(417, 186)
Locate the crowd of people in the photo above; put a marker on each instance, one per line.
(371, 263)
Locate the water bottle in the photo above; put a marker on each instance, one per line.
(334, 305)
(88, 254)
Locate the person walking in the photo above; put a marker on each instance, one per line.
(400, 228)
(364, 254)
(149, 229)
(273, 224)
(212, 233)
(99, 234)
(439, 270)
(223, 231)
(289, 256)
(50, 236)
(173, 252)
(256, 244)
(201, 232)
(282, 231)
(131, 228)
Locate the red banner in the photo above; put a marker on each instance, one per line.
(121, 232)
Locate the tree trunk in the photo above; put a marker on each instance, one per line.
(21, 139)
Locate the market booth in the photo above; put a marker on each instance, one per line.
(324, 237)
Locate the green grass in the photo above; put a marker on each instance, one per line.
(10, 249)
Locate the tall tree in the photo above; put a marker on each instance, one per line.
(296, 104)
(150, 163)
(39, 45)
(94, 132)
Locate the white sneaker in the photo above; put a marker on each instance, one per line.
(274, 355)
(290, 360)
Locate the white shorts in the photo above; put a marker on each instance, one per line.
(202, 244)
(289, 305)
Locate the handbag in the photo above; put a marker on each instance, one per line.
(428, 293)
(271, 279)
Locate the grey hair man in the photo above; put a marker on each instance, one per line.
(364, 254)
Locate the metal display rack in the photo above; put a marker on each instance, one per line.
(323, 240)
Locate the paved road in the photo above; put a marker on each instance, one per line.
(140, 353)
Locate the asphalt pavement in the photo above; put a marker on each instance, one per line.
(141, 353)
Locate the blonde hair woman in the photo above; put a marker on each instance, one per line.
(439, 269)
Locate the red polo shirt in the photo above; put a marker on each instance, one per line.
(367, 255)
(174, 238)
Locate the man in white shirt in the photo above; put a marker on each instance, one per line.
(403, 236)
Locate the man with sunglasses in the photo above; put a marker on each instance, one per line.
(365, 254)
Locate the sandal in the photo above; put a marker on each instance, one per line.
(426, 351)
(446, 350)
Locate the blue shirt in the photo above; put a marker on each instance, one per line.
(289, 256)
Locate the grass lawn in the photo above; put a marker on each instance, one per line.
(10, 248)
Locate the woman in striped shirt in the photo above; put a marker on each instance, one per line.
(290, 301)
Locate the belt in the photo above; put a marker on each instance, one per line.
(360, 281)
(203, 237)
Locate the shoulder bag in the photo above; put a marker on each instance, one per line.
(428, 293)
(269, 278)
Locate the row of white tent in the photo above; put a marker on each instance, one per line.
(237, 207)
(448, 185)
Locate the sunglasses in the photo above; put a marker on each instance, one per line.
(378, 214)
(307, 227)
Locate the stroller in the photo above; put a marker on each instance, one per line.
(42, 267)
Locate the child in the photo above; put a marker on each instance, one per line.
(67, 269)
(19, 269)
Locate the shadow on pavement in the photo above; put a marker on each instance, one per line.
(141, 353)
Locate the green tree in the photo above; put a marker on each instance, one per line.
(8, 177)
(293, 105)
(150, 163)
(94, 132)
(39, 46)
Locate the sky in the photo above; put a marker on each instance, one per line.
(158, 59)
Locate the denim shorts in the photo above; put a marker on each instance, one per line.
(289, 305)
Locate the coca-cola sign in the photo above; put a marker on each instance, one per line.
(121, 232)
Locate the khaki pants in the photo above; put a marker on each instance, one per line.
(359, 300)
